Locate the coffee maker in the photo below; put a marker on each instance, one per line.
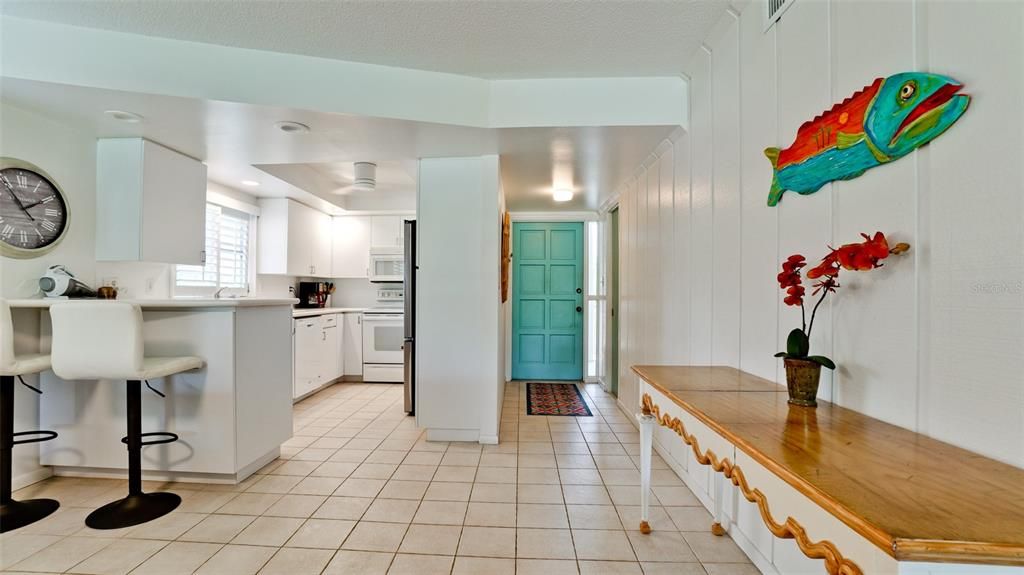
(314, 294)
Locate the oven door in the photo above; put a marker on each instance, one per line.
(383, 336)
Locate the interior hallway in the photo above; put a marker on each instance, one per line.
(359, 490)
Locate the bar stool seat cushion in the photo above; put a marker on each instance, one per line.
(153, 367)
(103, 340)
(25, 364)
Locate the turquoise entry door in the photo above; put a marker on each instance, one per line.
(547, 301)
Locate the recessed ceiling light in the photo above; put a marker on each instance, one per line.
(292, 127)
(122, 116)
(562, 195)
(253, 183)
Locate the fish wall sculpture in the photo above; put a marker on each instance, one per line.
(881, 123)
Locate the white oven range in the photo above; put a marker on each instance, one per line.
(383, 337)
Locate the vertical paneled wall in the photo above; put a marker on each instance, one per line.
(933, 341)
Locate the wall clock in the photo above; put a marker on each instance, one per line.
(33, 210)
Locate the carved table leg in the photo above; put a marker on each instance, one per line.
(716, 527)
(647, 422)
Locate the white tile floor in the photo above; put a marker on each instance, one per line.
(358, 490)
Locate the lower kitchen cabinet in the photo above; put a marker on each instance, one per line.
(317, 345)
(353, 344)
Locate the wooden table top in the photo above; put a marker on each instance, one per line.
(917, 498)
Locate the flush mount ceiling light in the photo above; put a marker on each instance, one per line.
(562, 195)
(123, 116)
(252, 183)
(364, 177)
(289, 127)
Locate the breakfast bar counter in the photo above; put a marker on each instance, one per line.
(835, 480)
(232, 415)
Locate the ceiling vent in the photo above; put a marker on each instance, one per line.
(365, 179)
(773, 10)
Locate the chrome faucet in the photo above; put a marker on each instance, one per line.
(216, 294)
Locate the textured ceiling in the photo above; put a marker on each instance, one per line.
(489, 39)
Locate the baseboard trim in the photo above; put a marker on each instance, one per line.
(35, 476)
(182, 477)
(453, 435)
(489, 439)
(631, 412)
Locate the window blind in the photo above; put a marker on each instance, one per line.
(227, 252)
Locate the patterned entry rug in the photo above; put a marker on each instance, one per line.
(555, 399)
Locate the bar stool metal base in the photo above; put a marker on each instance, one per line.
(133, 510)
(15, 514)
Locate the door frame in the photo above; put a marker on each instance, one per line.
(611, 366)
(549, 217)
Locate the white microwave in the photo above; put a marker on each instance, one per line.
(387, 265)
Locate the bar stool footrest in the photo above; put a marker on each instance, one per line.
(167, 436)
(47, 435)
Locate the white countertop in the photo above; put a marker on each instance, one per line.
(312, 311)
(174, 303)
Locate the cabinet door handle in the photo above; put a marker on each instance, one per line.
(202, 256)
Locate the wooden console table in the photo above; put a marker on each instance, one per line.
(865, 496)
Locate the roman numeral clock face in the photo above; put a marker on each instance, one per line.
(33, 211)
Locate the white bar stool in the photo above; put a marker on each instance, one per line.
(15, 514)
(103, 340)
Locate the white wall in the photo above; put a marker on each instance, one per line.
(458, 311)
(933, 341)
(69, 158)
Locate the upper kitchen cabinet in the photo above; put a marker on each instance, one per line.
(150, 203)
(388, 231)
(294, 239)
(352, 238)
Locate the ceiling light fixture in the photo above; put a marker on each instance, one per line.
(252, 183)
(364, 177)
(289, 127)
(123, 116)
(562, 195)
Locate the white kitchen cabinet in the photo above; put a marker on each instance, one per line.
(386, 231)
(294, 239)
(322, 245)
(318, 353)
(150, 203)
(332, 350)
(389, 231)
(308, 355)
(353, 343)
(351, 253)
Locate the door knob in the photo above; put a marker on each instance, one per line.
(578, 308)
(579, 290)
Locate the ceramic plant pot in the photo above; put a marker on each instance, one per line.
(802, 377)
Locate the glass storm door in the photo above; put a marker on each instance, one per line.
(547, 301)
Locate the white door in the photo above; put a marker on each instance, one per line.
(351, 257)
(308, 355)
(353, 343)
(386, 231)
(321, 239)
(301, 226)
(173, 207)
(329, 351)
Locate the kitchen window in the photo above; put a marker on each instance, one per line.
(229, 235)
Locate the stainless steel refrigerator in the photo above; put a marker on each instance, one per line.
(409, 344)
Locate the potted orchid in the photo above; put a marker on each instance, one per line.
(803, 371)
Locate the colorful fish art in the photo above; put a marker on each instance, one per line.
(881, 123)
